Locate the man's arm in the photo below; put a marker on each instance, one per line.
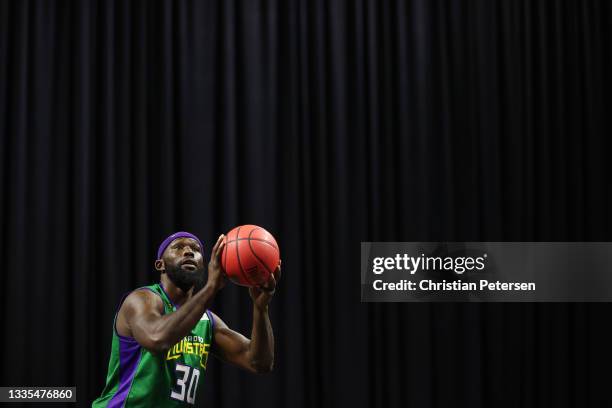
(141, 312)
(257, 353)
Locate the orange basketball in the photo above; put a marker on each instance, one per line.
(250, 255)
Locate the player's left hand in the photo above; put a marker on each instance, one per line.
(262, 295)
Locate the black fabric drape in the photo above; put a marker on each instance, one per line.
(328, 123)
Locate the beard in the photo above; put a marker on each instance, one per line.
(184, 279)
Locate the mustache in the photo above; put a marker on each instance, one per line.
(189, 261)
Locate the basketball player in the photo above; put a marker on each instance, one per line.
(163, 333)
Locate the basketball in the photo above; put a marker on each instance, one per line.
(250, 255)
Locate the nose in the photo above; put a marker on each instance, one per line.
(188, 251)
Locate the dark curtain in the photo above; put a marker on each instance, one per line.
(328, 123)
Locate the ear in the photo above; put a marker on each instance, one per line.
(160, 265)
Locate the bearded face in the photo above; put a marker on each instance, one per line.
(184, 263)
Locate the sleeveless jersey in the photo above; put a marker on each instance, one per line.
(138, 378)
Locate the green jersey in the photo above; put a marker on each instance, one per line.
(138, 378)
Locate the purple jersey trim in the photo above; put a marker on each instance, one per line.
(212, 321)
(129, 357)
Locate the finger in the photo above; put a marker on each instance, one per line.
(270, 285)
(221, 242)
(220, 250)
(277, 272)
(272, 281)
(267, 291)
(217, 248)
(214, 248)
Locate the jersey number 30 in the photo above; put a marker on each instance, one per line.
(186, 380)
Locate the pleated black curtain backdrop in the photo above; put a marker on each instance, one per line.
(328, 123)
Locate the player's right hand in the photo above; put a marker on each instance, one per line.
(216, 275)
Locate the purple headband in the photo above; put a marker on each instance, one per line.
(176, 235)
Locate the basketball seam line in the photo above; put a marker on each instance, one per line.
(253, 251)
(240, 263)
(254, 239)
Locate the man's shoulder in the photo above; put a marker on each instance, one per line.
(216, 321)
(142, 297)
